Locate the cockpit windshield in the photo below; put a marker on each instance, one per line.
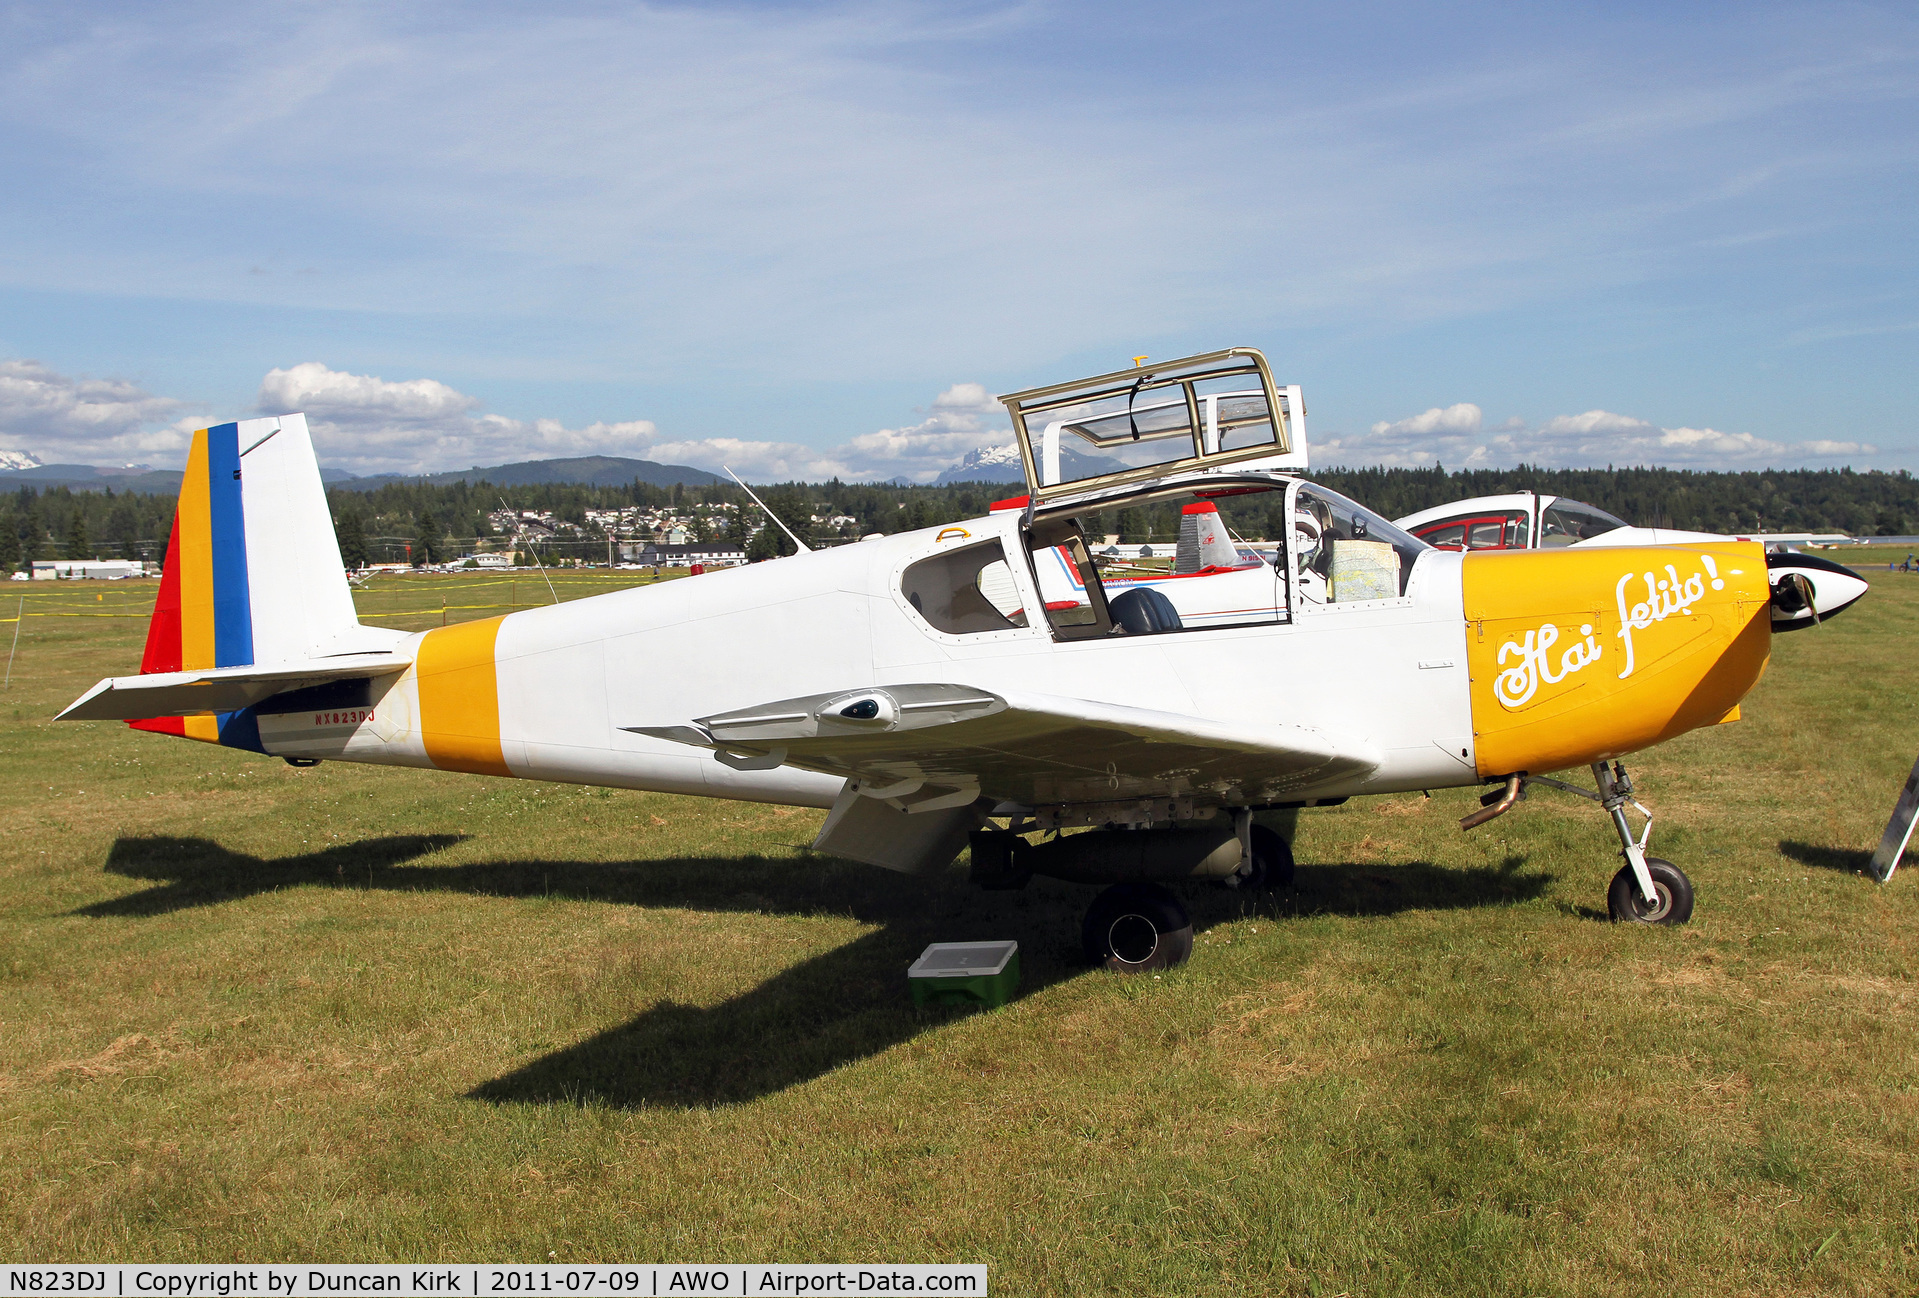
(1344, 552)
(1566, 522)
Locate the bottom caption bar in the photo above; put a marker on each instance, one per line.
(467, 1280)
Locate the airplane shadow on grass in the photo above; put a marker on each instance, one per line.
(836, 1008)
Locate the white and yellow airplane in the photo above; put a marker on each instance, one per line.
(1813, 589)
(980, 681)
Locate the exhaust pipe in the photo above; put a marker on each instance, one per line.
(1495, 805)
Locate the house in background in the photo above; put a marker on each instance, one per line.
(712, 554)
(81, 569)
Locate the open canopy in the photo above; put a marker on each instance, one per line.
(1196, 412)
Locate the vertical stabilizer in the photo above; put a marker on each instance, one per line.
(253, 572)
(1203, 542)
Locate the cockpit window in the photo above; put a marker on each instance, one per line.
(1565, 522)
(1343, 552)
(1069, 583)
(1202, 409)
(964, 591)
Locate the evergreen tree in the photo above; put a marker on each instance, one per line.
(427, 546)
(123, 527)
(9, 544)
(767, 543)
(78, 547)
(352, 536)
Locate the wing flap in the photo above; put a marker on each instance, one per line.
(215, 690)
(1029, 748)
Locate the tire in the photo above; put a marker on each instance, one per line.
(1137, 928)
(1272, 865)
(1674, 889)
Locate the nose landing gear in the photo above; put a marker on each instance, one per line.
(1647, 890)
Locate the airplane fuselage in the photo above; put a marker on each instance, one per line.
(1489, 664)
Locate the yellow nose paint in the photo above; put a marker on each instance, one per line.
(1577, 656)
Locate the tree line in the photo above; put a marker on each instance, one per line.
(428, 523)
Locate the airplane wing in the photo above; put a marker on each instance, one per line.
(939, 745)
(218, 689)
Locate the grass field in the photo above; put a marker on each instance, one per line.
(253, 1012)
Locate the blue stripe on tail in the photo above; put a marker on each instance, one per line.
(232, 601)
(232, 595)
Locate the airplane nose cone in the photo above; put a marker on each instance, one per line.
(1806, 590)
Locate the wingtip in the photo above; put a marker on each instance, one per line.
(75, 711)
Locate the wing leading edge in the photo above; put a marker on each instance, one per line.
(937, 745)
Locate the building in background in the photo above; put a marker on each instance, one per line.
(88, 569)
(712, 554)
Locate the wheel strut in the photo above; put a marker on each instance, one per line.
(1615, 795)
(1615, 792)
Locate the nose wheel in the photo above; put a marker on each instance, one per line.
(1672, 895)
(1647, 890)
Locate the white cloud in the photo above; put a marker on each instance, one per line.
(1439, 435)
(1454, 436)
(65, 420)
(969, 397)
(330, 394)
(1462, 418)
(1602, 437)
(368, 424)
(962, 418)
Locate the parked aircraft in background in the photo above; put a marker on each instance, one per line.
(982, 682)
(1529, 520)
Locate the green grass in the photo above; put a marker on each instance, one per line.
(252, 1012)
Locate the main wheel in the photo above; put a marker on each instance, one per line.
(1674, 891)
(1136, 928)
(1271, 866)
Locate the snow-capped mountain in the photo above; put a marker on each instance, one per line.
(28, 460)
(986, 464)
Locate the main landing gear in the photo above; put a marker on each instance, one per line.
(1139, 927)
(1646, 890)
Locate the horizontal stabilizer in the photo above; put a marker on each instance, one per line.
(219, 689)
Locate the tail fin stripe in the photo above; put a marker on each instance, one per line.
(196, 563)
(210, 613)
(227, 546)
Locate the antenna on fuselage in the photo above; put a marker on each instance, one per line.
(519, 534)
(769, 513)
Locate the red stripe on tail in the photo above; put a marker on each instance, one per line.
(164, 653)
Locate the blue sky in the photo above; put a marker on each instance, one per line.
(817, 238)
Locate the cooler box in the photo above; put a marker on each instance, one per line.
(965, 973)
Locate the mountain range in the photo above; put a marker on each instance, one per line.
(23, 470)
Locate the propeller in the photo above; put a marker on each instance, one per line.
(1792, 593)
